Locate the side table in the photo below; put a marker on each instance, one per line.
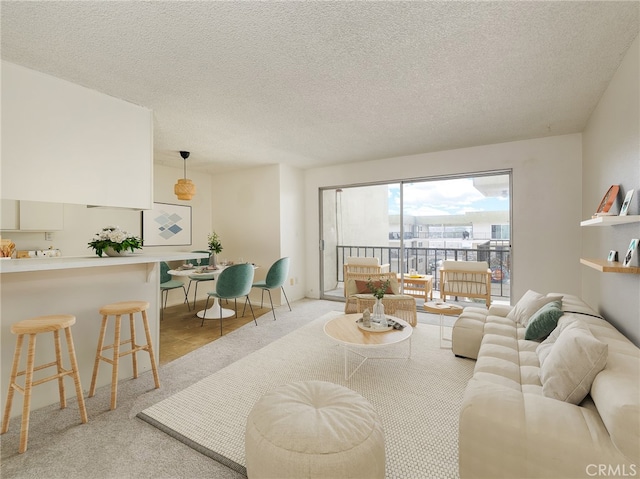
(443, 309)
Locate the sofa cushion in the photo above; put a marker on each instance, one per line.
(573, 363)
(543, 321)
(530, 302)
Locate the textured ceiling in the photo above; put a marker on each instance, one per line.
(317, 83)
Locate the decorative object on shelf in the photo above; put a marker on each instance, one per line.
(115, 242)
(607, 201)
(624, 210)
(184, 188)
(166, 225)
(215, 247)
(7, 247)
(631, 253)
(613, 255)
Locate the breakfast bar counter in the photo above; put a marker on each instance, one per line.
(78, 286)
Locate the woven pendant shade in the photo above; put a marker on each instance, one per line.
(184, 189)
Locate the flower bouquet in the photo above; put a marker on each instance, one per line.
(114, 242)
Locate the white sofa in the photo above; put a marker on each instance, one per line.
(509, 428)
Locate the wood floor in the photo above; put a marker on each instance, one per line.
(181, 333)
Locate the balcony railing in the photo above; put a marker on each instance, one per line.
(426, 261)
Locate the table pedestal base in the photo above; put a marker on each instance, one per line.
(214, 312)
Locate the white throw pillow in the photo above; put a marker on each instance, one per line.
(528, 305)
(572, 364)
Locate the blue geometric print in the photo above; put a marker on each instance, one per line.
(168, 224)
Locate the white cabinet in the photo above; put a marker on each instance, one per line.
(31, 216)
(65, 143)
(10, 215)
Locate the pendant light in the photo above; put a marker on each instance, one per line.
(184, 188)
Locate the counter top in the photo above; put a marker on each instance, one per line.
(70, 262)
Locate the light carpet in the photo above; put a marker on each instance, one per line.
(418, 399)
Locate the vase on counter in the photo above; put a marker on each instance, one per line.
(109, 251)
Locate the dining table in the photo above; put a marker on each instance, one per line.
(215, 310)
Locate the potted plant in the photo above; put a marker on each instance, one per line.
(378, 289)
(215, 247)
(114, 242)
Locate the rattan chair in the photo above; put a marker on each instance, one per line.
(399, 305)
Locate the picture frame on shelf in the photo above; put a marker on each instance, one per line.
(613, 256)
(629, 258)
(607, 201)
(625, 204)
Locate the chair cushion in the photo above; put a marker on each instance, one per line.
(359, 260)
(480, 266)
(354, 286)
(172, 284)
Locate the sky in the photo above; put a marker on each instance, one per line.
(446, 197)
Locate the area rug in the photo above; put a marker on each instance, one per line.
(418, 399)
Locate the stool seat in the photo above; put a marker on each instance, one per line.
(31, 328)
(43, 324)
(118, 310)
(124, 307)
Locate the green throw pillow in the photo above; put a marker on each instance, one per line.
(543, 321)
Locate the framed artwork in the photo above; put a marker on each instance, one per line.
(613, 255)
(631, 252)
(166, 225)
(625, 204)
(608, 199)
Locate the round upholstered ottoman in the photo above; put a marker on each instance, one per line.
(314, 429)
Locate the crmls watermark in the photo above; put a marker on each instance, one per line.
(612, 470)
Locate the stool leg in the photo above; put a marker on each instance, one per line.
(12, 380)
(96, 364)
(134, 355)
(26, 406)
(63, 398)
(76, 375)
(152, 356)
(116, 361)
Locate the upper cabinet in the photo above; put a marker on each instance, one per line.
(63, 143)
(31, 216)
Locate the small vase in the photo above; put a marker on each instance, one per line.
(213, 261)
(111, 252)
(378, 312)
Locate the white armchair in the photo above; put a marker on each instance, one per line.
(471, 279)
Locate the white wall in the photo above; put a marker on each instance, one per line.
(546, 203)
(611, 155)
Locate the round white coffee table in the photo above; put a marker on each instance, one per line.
(443, 309)
(345, 330)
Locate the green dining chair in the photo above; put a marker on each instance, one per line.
(167, 283)
(234, 282)
(276, 277)
(199, 278)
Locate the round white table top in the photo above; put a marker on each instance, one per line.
(345, 330)
(195, 272)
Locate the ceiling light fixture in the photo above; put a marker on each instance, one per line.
(184, 188)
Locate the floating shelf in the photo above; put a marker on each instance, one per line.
(605, 266)
(610, 220)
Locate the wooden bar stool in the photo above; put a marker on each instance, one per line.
(117, 310)
(32, 327)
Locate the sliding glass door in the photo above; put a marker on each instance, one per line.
(415, 225)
